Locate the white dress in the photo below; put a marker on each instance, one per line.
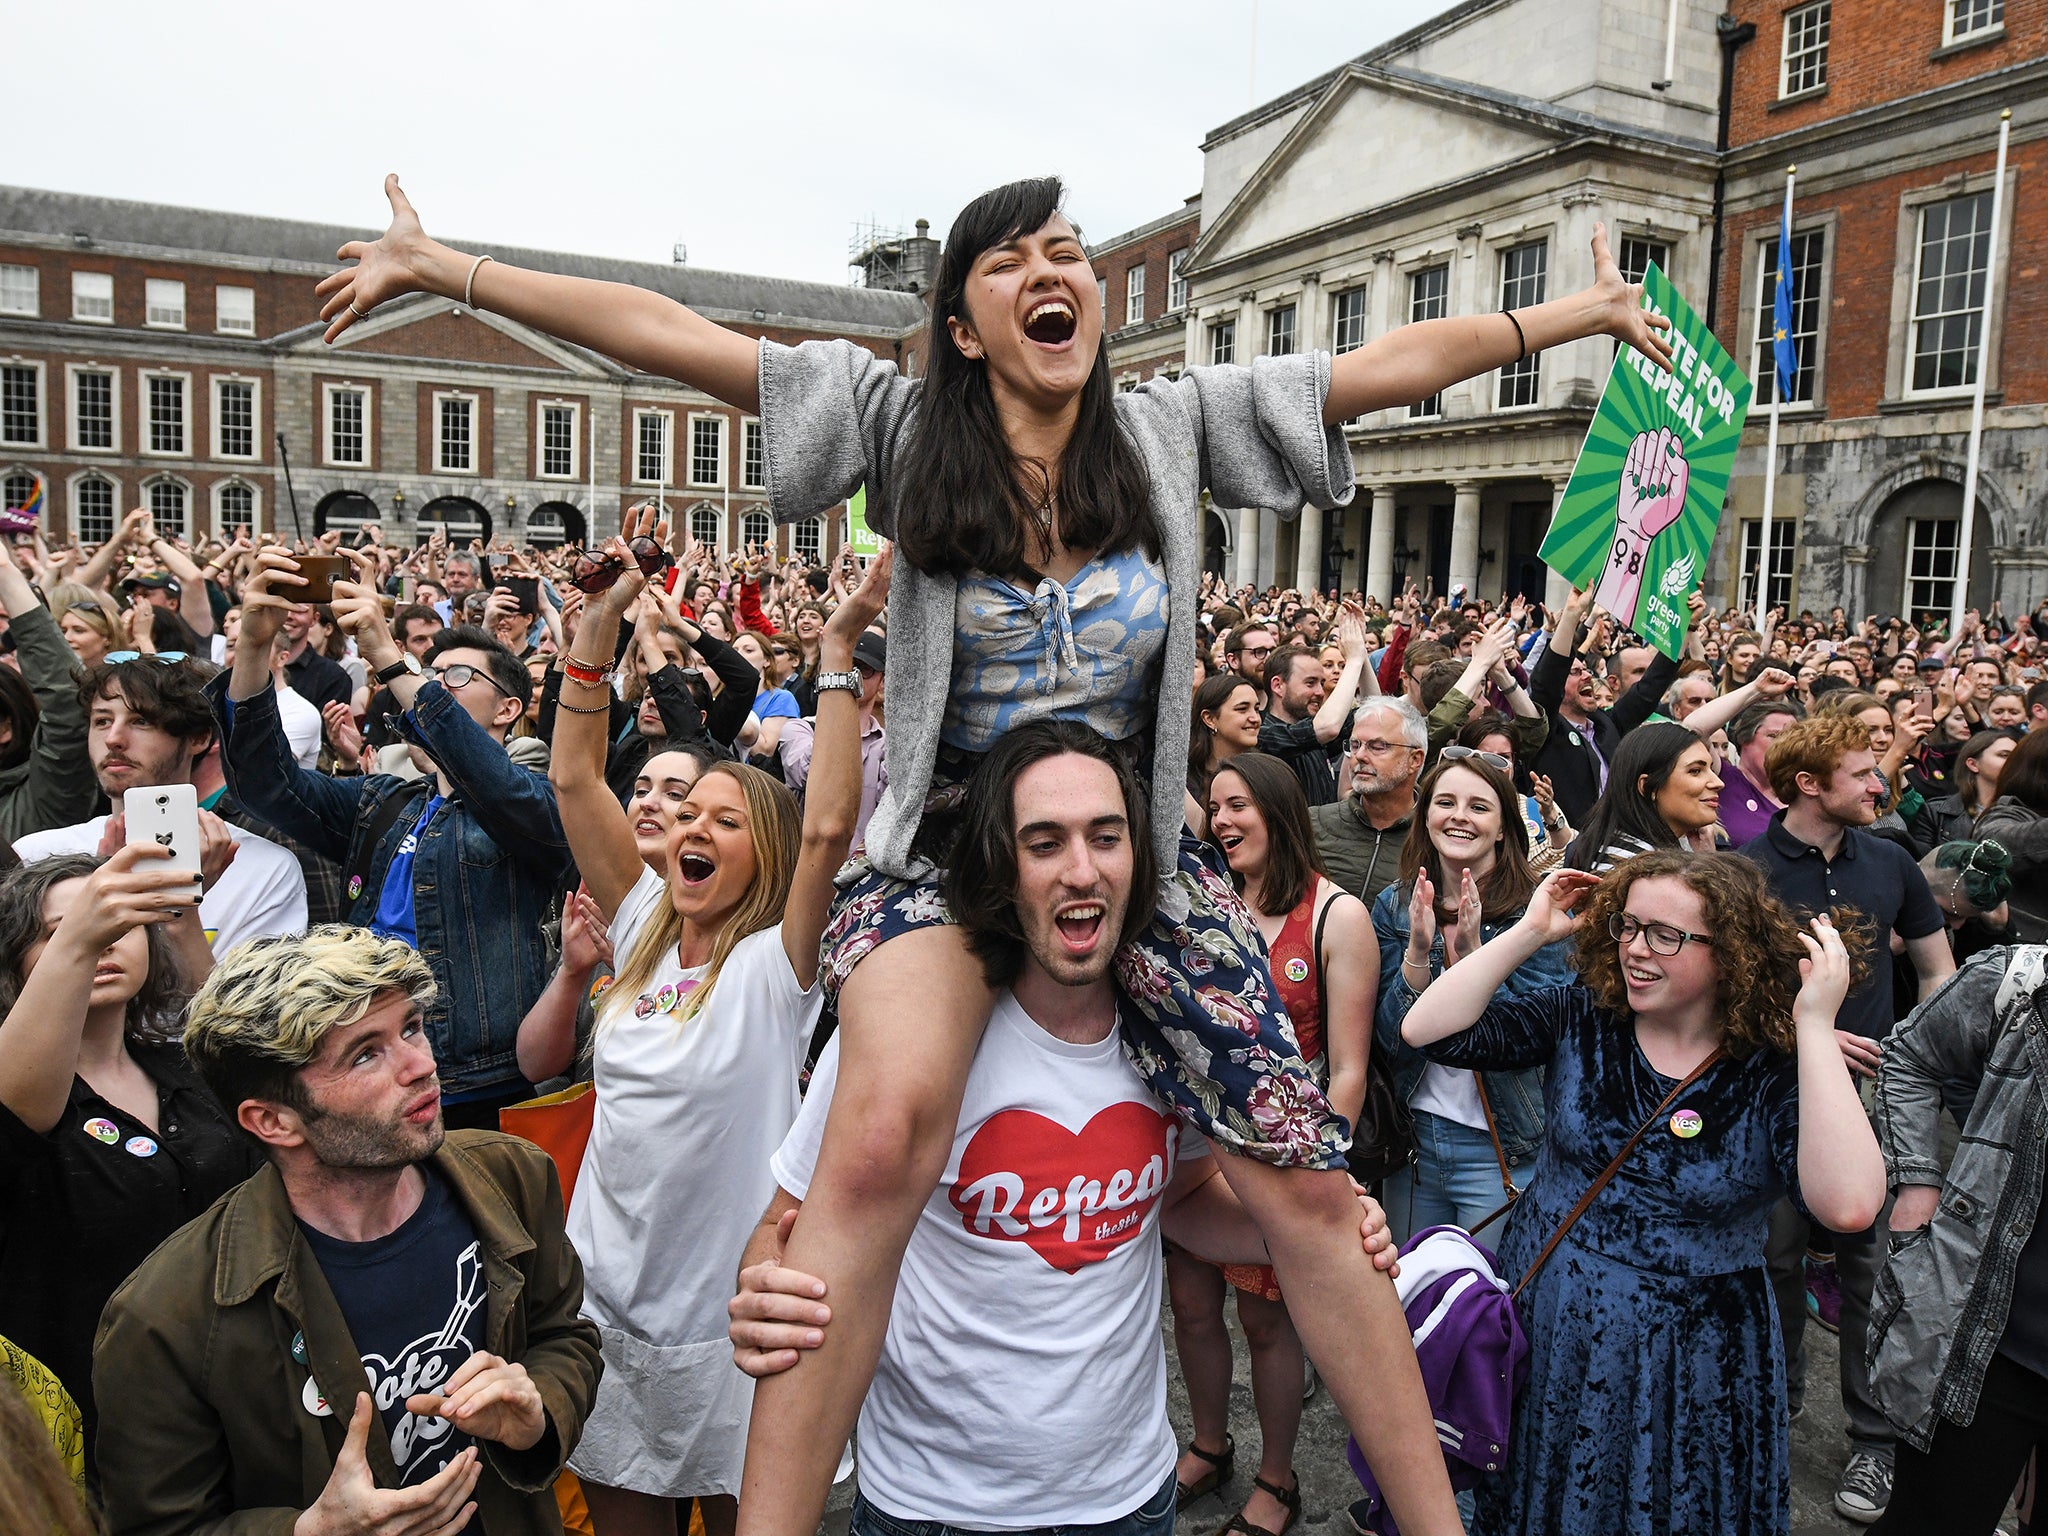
(675, 1179)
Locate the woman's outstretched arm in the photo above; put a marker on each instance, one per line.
(641, 329)
(1413, 362)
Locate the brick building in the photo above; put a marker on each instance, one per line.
(1890, 110)
(155, 356)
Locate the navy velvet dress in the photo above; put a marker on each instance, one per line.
(1656, 1394)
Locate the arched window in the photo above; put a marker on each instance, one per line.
(704, 527)
(92, 509)
(757, 529)
(544, 526)
(234, 507)
(167, 502)
(808, 540)
(20, 487)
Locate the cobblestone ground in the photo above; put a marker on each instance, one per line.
(1818, 1451)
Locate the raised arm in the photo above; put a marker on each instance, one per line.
(1717, 712)
(1457, 997)
(193, 605)
(1414, 361)
(641, 329)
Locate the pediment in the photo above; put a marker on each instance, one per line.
(1373, 139)
(434, 329)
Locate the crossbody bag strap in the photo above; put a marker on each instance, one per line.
(1316, 943)
(1500, 1156)
(1608, 1173)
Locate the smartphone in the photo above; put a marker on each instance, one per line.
(525, 591)
(500, 557)
(1923, 701)
(321, 573)
(168, 816)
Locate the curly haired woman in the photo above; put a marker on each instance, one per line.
(1706, 1016)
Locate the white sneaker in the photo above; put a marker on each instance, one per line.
(1866, 1488)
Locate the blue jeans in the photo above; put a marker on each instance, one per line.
(1454, 1181)
(1152, 1518)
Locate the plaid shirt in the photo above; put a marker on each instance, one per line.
(325, 901)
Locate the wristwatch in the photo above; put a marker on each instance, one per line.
(408, 663)
(849, 680)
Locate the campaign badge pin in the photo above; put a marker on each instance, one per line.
(665, 999)
(299, 1348)
(599, 987)
(1297, 968)
(643, 1007)
(141, 1146)
(1687, 1124)
(316, 1404)
(100, 1129)
(355, 886)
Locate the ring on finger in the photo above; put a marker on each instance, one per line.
(360, 314)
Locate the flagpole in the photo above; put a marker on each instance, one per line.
(1763, 560)
(1968, 529)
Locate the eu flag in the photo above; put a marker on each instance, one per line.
(1782, 348)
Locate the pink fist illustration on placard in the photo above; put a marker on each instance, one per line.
(1653, 481)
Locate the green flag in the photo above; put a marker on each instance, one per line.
(860, 538)
(1639, 515)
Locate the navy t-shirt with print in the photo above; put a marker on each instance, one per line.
(414, 1305)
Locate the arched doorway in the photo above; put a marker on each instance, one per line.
(557, 522)
(1915, 543)
(345, 512)
(457, 517)
(1216, 542)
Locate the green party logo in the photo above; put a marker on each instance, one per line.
(1638, 518)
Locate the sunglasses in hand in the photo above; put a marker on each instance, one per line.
(600, 573)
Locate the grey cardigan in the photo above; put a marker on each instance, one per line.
(833, 418)
(1940, 1303)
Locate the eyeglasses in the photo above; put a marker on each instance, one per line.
(462, 674)
(1491, 759)
(122, 658)
(1378, 748)
(599, 573)
(1662, 938)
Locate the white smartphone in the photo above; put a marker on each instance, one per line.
(168, 816)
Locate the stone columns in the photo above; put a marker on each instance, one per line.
(1379, 559)
(1308, 551)
(1247, 547)
(1556, 590)
(1465, 537)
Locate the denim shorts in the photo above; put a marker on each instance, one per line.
(1152, 1518)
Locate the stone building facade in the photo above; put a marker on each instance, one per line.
(161, 357)
(1890, 111)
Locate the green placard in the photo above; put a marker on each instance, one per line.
(1645, 497)
(860, 538)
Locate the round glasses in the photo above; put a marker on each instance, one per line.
(600, 573)
(462, 674)
(1662, 938)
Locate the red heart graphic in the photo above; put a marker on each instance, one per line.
(1074, 1199)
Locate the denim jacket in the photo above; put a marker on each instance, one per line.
(488, 868)
(1516, 1097)
(1939, 1307)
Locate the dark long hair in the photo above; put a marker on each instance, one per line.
(1292, 862)
(1505, 890)
(961, 498)
(2025, 774)
(152, 1011)
(1209, 698)
(1650, 751)
(19, 709)
(980, 884)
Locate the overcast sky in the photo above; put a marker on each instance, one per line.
(758, 132)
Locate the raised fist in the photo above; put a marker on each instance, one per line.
(1651, 497)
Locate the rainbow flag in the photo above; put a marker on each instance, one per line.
(27, 517)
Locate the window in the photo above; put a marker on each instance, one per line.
(1804, 65)
(234, 311)
(92, 297)
(1523, 271)
(455, 442)
(1280, 331)
(704, 527)
(1222, 343)
(1639, 254)
(234, 509)
(234, 418)
(1177, 280)
(19, 489)
(1102, 292)
(1972, 18)
(1429, 298)
(164, 303)
(558, 436)
(92, 510)
(20, 291)
(807, 540)
(707, 450)
(1347, 320)
(650, 447)
(21, 405)
(753, 456)
(92, 409)
(347, 438)
(758, 530)
(1134, 295)
(167, 508)
(1947, 334)
(1932, 545)
(167, 412)
(1808, 247)
(1784, 530)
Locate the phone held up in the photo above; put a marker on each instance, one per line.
(166, 815)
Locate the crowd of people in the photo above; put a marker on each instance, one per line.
(902, 1008)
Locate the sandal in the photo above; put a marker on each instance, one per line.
(1222, 1468)
(1290, 1499)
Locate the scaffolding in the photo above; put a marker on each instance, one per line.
(883, 257)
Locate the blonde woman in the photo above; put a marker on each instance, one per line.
(696, 1055)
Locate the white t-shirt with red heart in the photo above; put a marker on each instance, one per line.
(1023, 1377)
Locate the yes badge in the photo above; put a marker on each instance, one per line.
(1297, 968)
(1687, 1124)
(100, 1129)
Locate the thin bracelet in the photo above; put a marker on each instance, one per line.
(577, 709)
(469, 287)
(1521, 341)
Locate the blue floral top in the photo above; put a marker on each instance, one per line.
(1087, 649)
